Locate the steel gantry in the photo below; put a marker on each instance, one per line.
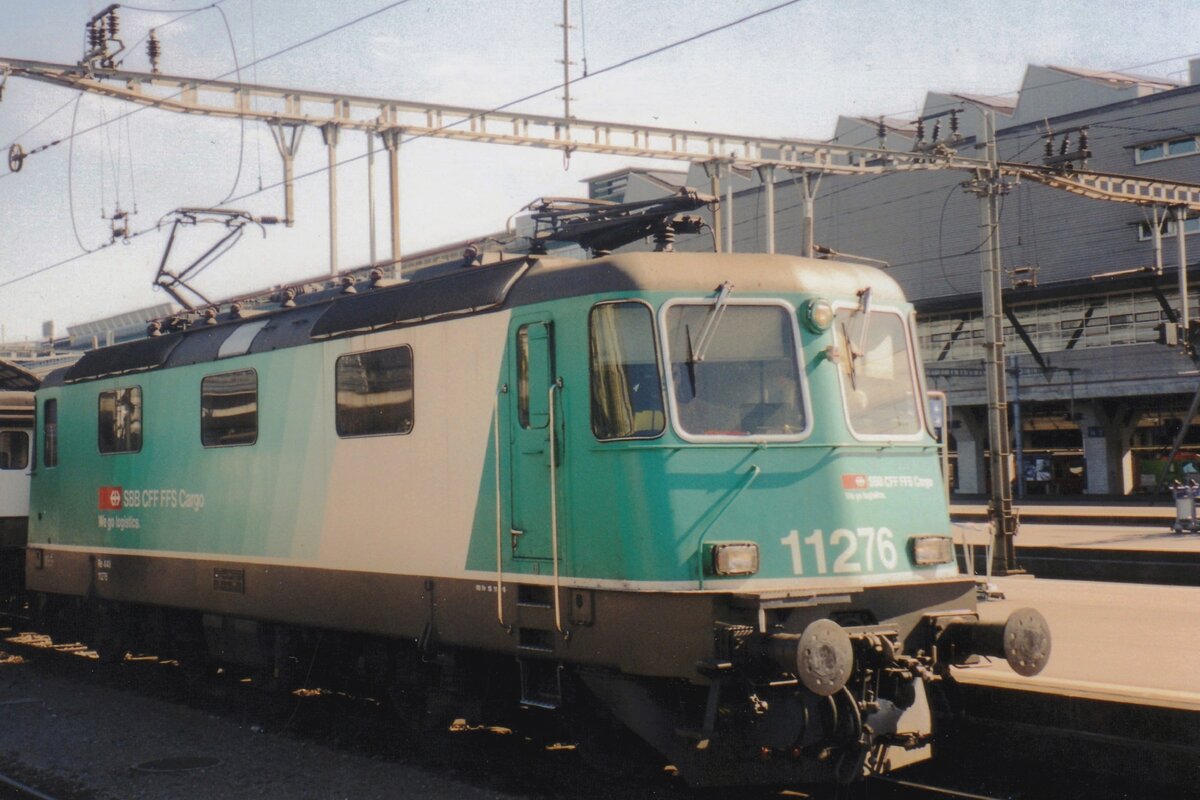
(287, 111)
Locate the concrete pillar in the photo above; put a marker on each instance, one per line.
(1107, 427)
(969, 426)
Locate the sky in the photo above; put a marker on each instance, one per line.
(787, 73)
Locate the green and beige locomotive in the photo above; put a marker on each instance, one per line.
(695, 493)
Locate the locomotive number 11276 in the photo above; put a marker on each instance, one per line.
(851, 550)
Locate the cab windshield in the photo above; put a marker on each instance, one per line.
(878, 381)
(734, 370)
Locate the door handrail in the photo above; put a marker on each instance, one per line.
(554, 387)
(499, 537)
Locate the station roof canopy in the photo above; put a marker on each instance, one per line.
(15, 378)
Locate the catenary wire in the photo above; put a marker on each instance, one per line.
(610, 68)
(184, 13)
(199, 84)
(547, 90)
(237, 177)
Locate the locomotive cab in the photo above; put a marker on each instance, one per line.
(759, 470)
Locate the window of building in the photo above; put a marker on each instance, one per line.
(229, 409)
(627, 398)
(50, 433)
(1122, 318)
(14, 449)
(1171, 148)
(120, 424)
(1167, 227)
(375, 392)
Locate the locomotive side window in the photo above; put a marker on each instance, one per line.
(50, 433)
(229, 409)
(533, 375)
(375, 392)
(734, 369)
(14, 449)
(627, 399)
(879, 381)
(120, 423)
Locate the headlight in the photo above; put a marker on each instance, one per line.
(932, 550)
(734, 558)
(818, 315)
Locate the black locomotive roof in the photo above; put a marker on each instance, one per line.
(480, 289)
(335, 314)
(475, 290)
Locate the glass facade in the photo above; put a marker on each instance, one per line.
(1109, 320)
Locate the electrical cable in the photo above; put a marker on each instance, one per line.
(132, 177)
(941, 222)
(320, 170)
(548, 90)
(1071, 79)
(38, 124)
(583, 35)
(242, 130)
(185, 13)
(195, 10)
(254, 100)
(71, 181)
(202, 83)
(528, 97)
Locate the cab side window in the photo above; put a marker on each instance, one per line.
(627, 395)
(120, 420)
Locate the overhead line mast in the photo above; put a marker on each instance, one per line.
(396, 121)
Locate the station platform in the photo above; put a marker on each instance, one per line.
(1119, 695)
(1084, 511)
(1099, 542)
(1136, 643)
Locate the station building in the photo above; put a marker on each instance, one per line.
(1097, 400)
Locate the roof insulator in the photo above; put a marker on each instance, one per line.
(153, 51)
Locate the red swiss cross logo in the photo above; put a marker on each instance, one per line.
(854, 481)
(110, 498)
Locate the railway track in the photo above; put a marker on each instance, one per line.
(13, 789)
(531, 763)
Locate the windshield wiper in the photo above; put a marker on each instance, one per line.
(858, 350)
(710, 326)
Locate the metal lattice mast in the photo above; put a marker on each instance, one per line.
(990, 185)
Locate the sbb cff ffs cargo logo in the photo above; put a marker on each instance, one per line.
(110, 498)
(854, 481)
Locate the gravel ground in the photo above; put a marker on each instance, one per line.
(78, 738)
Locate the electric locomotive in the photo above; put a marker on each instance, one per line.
(692, 493)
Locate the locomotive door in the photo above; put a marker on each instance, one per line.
(532, 359)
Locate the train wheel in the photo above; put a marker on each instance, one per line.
(605, 745)
(109, 637)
